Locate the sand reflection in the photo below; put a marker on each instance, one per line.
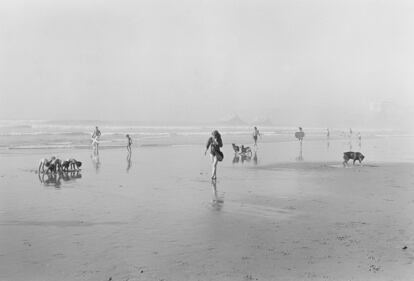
(300, 156)
(216, 202)
(129, 162)
(96, 162)
(241, 158)
(55, 179)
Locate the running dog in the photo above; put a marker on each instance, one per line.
(350, 155)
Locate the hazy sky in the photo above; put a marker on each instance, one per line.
(202, 60)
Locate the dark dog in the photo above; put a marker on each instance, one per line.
(54, 165)
(65, 165)
(350, 155)
(235, 148)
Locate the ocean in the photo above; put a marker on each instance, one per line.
(16, 135)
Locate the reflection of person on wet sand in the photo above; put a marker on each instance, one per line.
(255, 158)
(300, 157)
(95, 160)
(216, 202)
(129, 162)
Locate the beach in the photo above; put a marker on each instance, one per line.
(286, 213)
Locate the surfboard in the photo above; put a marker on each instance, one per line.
(95, 140)
(299, 135)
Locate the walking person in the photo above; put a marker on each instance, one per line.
(129, 144)
(95, 138)
(256, 134)
(214, 143)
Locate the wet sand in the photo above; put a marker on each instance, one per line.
(159, 217)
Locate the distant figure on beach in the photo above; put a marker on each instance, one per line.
(129, 143)
(327, 133)
(256, 134)
(350, 132)
(300, 135)
(95, 138)
(214, 143)
(359, 139)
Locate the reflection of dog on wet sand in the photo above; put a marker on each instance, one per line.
(241, 149)
(355, 156)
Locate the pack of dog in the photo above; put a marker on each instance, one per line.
(241, 149)
(54, 165)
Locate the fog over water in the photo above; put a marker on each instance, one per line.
(312, 63)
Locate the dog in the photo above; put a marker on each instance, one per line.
(65, 165)
(71, 164)
(350, 155)
(55, 165)
(44, 162)
(235, 148)
(241, 149)
(74, 164)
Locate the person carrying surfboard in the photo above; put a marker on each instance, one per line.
(95, 138)
(300, 135)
